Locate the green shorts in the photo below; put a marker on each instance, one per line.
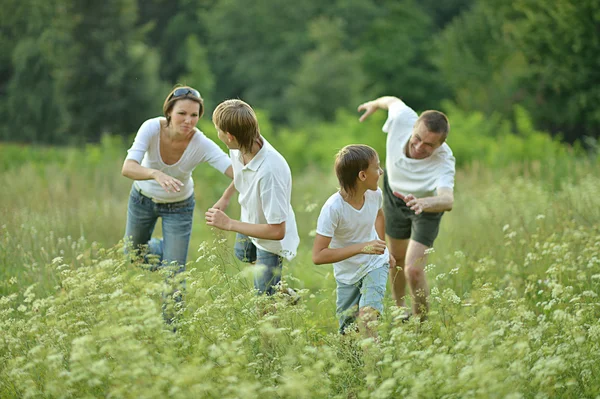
(401, 222)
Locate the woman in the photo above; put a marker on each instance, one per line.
(161, 160)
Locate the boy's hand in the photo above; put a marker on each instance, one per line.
(217, 218)
(392, 261)
(221, 204)
(375, 247)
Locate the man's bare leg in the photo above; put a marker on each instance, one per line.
(414, 271)
(398, 249)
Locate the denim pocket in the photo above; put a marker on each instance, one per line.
(185, 206)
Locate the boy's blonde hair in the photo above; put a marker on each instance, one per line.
(350, 161)
(238, 119)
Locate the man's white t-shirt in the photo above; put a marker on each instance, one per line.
(346, 226)
(420, 177)
(146, 151)
(265, 191)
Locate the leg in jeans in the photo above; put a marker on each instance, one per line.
(141, 219)
(268, 271)
(348, 297)
(372, 292)
(268, 268)
(177, 221)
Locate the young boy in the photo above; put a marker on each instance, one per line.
(350, 233)
(266, 231)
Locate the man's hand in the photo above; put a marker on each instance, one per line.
(217, 218)
(416, 204)
(369, 107)
(375, 247)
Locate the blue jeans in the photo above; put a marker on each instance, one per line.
(367, 292)
(142, 214)
(268, 272)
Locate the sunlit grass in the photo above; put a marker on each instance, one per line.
(514, 275)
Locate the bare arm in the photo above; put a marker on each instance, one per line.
(322, 254)
(223, 202)
(380, 224)
(217, 218)
(133, 170)
(371, 106)
(442, 202)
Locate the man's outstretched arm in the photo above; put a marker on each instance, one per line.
(371, 106)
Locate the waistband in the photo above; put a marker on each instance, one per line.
(143, 194)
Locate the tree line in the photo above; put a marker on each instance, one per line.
(72, 70)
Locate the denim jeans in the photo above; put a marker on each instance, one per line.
(367, 292)
(268, 264)
(142, 214)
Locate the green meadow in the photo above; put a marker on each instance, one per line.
(514, 276)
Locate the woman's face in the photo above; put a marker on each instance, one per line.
(185, 115)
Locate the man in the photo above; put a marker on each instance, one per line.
(418, 189)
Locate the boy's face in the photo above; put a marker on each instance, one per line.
(227, 139)
(372, 174)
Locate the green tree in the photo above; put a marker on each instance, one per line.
(198, 73)
(541, 55)
(397, 51)
(254, 49)
(329, 76)
(109, 77)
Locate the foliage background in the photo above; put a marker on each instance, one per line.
(515, 275)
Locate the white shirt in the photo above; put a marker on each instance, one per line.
(346, 226)
(265, 187)
(420, 177)
(146, 151)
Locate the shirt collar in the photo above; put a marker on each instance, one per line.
(259, 158)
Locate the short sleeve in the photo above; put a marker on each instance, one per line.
(327, 221)
(447, 171)
(275, 199)
(141, 142)
(214, 155)
(399, 115)
(379, 198)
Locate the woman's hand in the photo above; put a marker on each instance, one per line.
(170, 184)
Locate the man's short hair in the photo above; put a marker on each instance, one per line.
(350, 161)
(435, 122)
(238, 119)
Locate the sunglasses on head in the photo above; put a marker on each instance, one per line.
(184, 91)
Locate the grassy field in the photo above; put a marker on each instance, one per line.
(515, 278)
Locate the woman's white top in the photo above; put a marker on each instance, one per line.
(146, 151)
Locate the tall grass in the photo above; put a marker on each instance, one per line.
(514, 278)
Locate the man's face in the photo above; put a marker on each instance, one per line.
(423, 143)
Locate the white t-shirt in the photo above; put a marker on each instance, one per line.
(146, 151)
(346, 226)
(420, 177)
(265, 187)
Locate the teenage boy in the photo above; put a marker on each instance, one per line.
(350, 233)
(266, 231)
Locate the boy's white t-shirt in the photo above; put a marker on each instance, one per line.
(146, 151)
(265, 191)
(420, 177)
(346, 226)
